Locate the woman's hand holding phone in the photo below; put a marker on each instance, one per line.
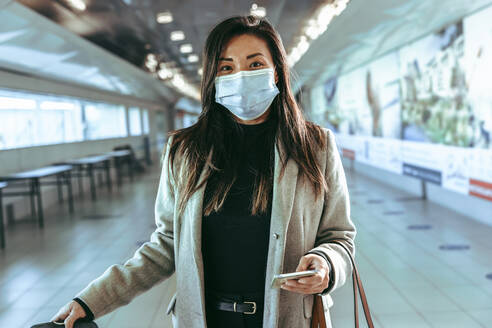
(313, 284)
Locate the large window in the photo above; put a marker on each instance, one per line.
(105, 121)
(59, 121)
(32, 120)
(145, 117)
(28, 119)
(135, 121)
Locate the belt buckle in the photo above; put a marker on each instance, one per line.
(254, 307)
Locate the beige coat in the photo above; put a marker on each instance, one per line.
(298, 224)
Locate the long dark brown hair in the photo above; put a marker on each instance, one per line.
(301, 139)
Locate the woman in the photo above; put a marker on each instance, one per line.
(249, 191)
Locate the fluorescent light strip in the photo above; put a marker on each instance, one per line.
(193, 58)
(78, 4)
(186, 48)
(314, 28)
(177, 35)
(177, 81)
(164, 17)
(257, 11)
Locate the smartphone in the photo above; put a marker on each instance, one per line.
(279, 279)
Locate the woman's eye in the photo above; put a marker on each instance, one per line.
(256, 64)
(224, 68)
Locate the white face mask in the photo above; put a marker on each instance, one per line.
(247, 94)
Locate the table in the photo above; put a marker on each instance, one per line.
(120, 157)
(89, 164)
(2, 228)
(62, 173)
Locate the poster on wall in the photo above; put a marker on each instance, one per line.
(366, 101)
(383, 96)
(480, 173)
(433, 86)
(331, 117)
(352, 104)
(478, 67)
(425, 110)
(443, 95)
(385, 153)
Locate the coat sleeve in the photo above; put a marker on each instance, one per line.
(335, 222)
(152, 263)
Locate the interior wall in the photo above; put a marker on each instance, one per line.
(469, 206)
(15, 81)
(22, 159)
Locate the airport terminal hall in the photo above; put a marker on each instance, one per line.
(245, 164)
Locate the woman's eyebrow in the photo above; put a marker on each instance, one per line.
(247, 57)
(254, 55)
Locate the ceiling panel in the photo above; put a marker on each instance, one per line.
(129, 29)
(32, 45)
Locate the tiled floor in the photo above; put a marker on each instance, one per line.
(409, 280)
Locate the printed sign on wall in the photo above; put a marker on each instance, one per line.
(424, 110)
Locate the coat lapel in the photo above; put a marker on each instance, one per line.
(282, 202)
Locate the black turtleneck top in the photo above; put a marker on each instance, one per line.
(234, 242)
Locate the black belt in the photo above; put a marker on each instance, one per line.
(249, 303)
(243, 307)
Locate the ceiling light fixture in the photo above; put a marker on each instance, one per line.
(179, 83)
(168, 73)
(257, 11)
(77, 4)
(186, 48)
(340, 7)
(164, 17)
(193, 58)
(151, 62)
(315, 26)
(164, 73)
(177, 35)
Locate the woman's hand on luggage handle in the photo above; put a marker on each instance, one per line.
(70, 312)
(313, 284)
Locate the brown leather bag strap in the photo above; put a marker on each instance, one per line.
(356, 301)
(318, 320)
(315, 318)
(357, 283)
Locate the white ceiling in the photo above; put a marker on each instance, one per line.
(33, 45)
(197, 17)
(57, 46)
(369, 29)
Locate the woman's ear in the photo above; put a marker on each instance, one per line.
(276, 76)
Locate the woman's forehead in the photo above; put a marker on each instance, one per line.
(244, 44)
